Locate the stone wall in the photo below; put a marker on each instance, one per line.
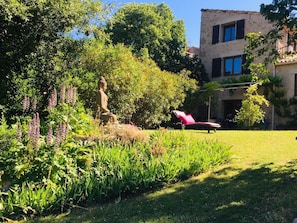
(254, 22)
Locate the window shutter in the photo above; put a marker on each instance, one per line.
(244, 69)
(215, 34)
(216, 67)
(240, 29)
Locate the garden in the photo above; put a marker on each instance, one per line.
(67, 160)
(57, 159)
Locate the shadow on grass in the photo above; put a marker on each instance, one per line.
(259, 194)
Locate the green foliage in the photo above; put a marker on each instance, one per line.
(251, 111)
(152, 29)
(281, 13)
(194, 66)
(283, 107)
(35, 53)
(77, 172)
(274, 90)
(138, 90)
(235, 80)
(149, 26)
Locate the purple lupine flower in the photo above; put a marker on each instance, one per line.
(58, 140)
(49, 137)
(34, 103)
(73, 96)
(69, 95)
(30, 124)
(55, 97)
(26, 103)
(62, 131)
(65, 130)
(35, 130)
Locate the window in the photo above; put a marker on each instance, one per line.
(229, 32)
(232, 65)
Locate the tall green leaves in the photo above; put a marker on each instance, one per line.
(79, 173)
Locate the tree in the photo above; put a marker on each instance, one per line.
(34, 50)
(282, 13)
(197, 69)
(138, 90)
(153, 27)
(251, 111)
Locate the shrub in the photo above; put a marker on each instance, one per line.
(138, 90)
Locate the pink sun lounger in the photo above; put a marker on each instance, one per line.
(188, 122)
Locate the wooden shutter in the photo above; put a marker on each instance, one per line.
(215, 34)
(240, 29)
(216, 67)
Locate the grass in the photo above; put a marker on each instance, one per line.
(259, 185)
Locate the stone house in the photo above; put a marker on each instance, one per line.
(222, 53)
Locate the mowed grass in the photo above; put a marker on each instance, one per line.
(258, 185)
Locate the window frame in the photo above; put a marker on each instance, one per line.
(219, 31)
(233, 59)
(231, 34)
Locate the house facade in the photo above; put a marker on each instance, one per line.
(222, 53)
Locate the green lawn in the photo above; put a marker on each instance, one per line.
(259, 185)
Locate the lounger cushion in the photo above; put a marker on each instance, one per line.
(187, 119)
(178, 114)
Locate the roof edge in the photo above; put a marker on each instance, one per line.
(227, 10)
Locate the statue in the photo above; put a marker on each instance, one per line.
(101, 100)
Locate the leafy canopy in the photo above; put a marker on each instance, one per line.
(149, 26)
(282, 13)
(34, 51)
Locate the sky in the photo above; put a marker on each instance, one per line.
(190, 11)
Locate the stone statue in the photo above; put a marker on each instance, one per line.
(101, 100)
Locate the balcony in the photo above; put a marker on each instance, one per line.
(287, 53)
